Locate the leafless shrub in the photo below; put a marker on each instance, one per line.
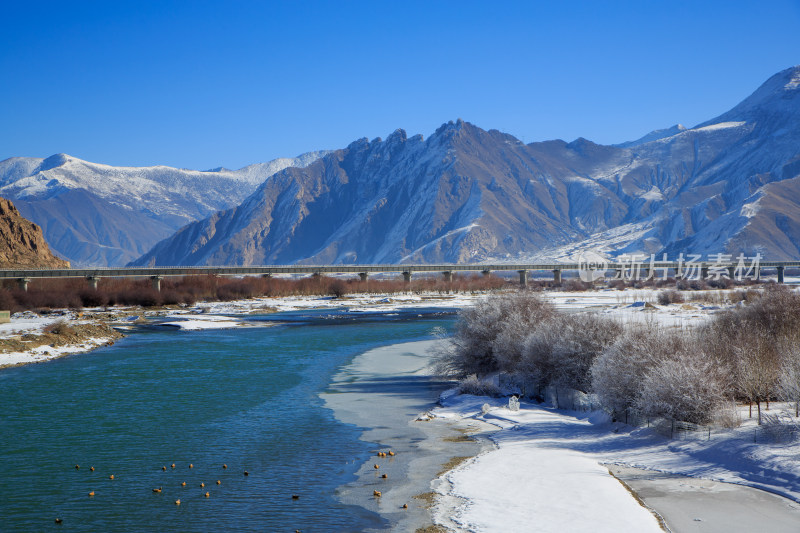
(479, 387)
(780, 427)
(670, 297)
(686, 386)
(727, 415)
(789, 375)
(575, 285)
(60, 327)
(617, 284)
(337, 288)
(561, 350)
(617, 374)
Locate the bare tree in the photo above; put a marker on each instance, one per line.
(789, 374)
(757, 369)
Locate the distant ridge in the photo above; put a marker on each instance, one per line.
(100, 215)
(654, 136)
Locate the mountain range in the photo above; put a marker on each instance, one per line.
(464, 194)
(728, 185)
(100, 215)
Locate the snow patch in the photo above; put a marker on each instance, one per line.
(653, 195)
(720, 126)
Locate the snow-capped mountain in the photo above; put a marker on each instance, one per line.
(94, 214)
(731, 184)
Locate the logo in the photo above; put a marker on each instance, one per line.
(591, 266)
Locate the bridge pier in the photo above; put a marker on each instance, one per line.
(92, 282)
(780, 274)
(757, 273)
(266, 275)
(703, 272)
(22, 283)
(486, 272)
(363, 276)
(557, 276)
(448, 276)
(523, 278)
(731, 272)
(156, 283)
(407, 276)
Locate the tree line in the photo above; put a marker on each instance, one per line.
(747, 353)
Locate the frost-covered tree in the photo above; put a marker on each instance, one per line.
(581, 339)
(789, 375)
(686, 386)
(488, 336)
(561, 351)
(618, 372)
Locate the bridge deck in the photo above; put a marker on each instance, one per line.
(355, 269)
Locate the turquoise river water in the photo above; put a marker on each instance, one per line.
(247, 398)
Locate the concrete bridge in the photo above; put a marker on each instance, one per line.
(619, 270)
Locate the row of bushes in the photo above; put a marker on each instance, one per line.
(748, 353)
(76, 294)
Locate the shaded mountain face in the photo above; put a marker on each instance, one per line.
(99, 215)
(21, 242)
(731, 184)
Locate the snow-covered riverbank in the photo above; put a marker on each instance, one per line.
(26, 338)
(548, 475)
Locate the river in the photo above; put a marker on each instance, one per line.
(247, 398)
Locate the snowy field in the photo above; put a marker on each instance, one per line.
(548, 472)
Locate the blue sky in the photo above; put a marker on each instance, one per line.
(200, 84)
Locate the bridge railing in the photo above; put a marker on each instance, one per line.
(619, 269)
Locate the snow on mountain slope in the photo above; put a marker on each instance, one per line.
(466, 194)
(654, 136)
(97, 214)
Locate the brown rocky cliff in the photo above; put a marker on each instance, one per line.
(21, 242)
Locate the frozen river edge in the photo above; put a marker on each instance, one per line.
(514, 480)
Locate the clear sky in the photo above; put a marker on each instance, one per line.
(201, 84)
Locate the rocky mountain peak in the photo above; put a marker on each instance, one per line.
(777, 99)
(21, 242)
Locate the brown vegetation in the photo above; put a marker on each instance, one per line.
(45, 294)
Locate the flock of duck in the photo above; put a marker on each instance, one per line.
(158, 490)
(376, 466)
